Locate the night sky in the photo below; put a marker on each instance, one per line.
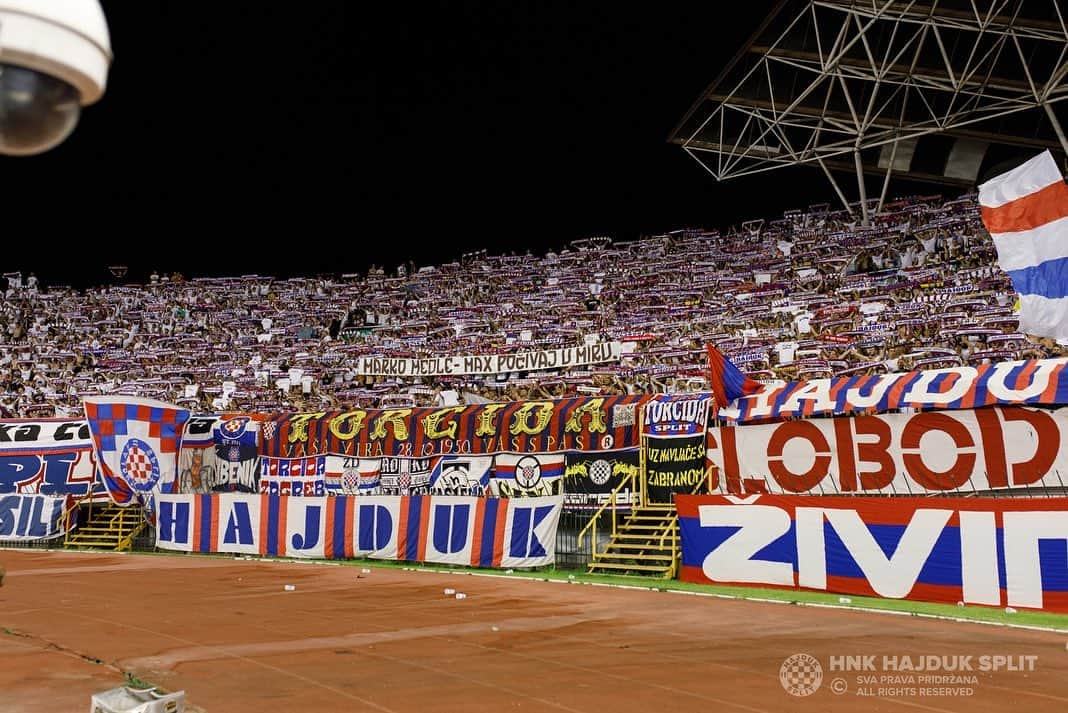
(241, 137)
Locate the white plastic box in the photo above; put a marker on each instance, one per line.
(137, 700)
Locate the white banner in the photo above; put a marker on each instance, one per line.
(478, 532)
(47, 457)
(930, 452)
(460, 365)
(24, 518)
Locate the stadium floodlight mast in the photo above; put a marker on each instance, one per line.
(54, 59)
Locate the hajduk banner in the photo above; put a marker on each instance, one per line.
(995, 552)
(895, 454)
(461, 365)
(477, 532)
(47, 457)
(1036, 381)
(550, 426)
(24, 518)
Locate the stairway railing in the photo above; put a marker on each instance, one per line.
(610, 505)
(70, 513)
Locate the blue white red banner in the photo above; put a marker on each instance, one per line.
(24, 518)
(1036, 381)
(994, 552)
(1026, 212)
(523, 475)
(477, 532)
(136, 443)
(47, 457)
(293, 476)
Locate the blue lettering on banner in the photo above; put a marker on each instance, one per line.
(173, 521)
(230, 522)
(310, 538)
(30, 517)
(14, 469)
(980, 551)
(450, 528)
(376, 527)
(525, 541)
(238, 525)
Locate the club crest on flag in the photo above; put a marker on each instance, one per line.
(528, 471)
(136, 444)
(139, 465)
(234, 427)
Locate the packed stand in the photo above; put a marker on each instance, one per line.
(809, 295)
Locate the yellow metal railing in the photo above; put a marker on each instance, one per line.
(69, 514)
(610, 505)
(114, 524)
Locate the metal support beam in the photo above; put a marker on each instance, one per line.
(865, 219)
(886, 180)
(834, 184)
(1056, 126)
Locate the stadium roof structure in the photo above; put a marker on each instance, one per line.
(939, 91)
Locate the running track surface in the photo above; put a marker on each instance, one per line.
(229, 634)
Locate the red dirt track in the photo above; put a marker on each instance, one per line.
(227, 633)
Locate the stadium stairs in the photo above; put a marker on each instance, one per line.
(646, 543)
(105, 526)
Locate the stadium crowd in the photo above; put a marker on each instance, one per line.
(809, 295)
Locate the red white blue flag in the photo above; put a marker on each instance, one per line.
(727, 381)
(1026, 212)
(136, 442)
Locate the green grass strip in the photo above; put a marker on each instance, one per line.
(988, 615)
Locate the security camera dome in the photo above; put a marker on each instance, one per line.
(54, 59)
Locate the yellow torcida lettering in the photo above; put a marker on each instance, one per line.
(348, 425)
(298, 426)
(396, 417)
(521, 419)
(432, 423)
(487, 421)
(594, 408)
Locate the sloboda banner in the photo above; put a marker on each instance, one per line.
(479, 532)
(994, 552)
(491, 364)
(929, 452)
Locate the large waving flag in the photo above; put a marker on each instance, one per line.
(1026, 212)
(728, 382)
(136, 442)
